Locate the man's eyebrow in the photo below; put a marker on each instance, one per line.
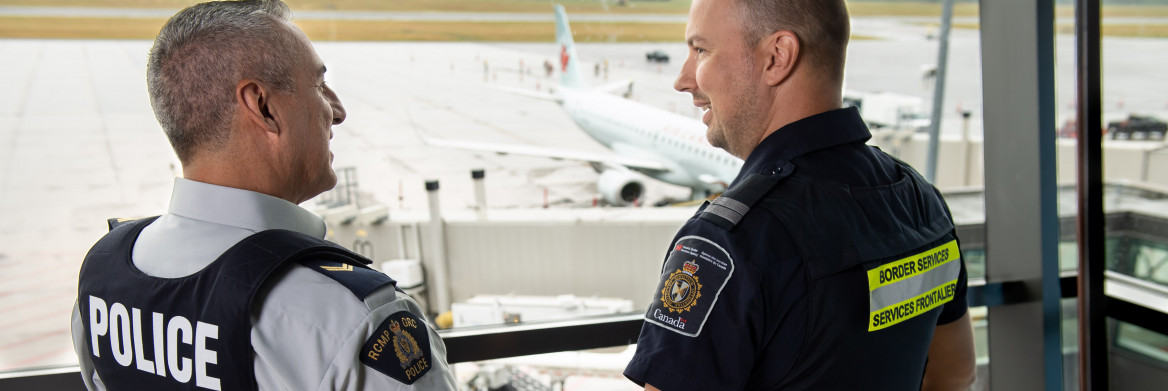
(694, 39)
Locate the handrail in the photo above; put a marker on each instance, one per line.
(1138, 302)
(491, 342)
(1131, 300)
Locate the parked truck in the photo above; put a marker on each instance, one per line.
(1137, 127)
(889, 110)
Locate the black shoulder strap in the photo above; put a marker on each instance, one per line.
(122, 233)
(118, 222)
(346, 267)
(727, 210)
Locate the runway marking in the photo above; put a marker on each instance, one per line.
(30, 289)
(38, 299)
(32, 271)
(39, 342)
(35, 338)
(28, 362)
(16, 320)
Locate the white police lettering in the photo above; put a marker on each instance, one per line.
(181, 373)
(124, 332)
(678, 322)
(203, 356)
(120, 334)
(144, 365)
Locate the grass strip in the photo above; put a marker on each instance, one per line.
(1109, 30)
(326, 30)
(329, 30)
(572, 6)
(488, 31)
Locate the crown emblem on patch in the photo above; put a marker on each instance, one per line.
(682, 289)
(394, 327)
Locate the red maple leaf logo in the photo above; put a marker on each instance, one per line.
(678, 248)
(564, 58)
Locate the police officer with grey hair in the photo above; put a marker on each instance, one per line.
(233, 288)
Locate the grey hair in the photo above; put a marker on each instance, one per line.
(822, 26)
(200, 55)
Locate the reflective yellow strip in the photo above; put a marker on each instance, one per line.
(910, 308)
(912, 265)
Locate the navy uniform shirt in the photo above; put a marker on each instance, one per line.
(830, 270)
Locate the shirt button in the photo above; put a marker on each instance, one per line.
(776, 171)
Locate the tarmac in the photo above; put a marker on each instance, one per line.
(79, 143)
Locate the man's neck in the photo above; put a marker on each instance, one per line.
(252, 176)
(800, 98)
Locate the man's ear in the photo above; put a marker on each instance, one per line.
(255, 104)
(780, 51)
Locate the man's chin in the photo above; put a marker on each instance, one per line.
(716, 139)
(326, 184)
(331, 182)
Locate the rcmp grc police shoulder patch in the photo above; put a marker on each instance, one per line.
(399, 348)
(694, 274)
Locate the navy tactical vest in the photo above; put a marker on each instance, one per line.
(192, 332)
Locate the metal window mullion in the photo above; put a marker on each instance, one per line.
(1020, 192)
(1093, 355)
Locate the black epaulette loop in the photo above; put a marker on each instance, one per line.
(727, 211)
(118, 222)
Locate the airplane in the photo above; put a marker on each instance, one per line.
(660, 144)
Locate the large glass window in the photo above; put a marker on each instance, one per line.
(80, 144)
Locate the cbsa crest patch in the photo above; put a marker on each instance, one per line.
(399, 348)
(693, 277)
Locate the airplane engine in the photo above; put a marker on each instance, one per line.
(619, 187)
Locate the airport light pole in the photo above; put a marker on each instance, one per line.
(939, 91)
(437, 248)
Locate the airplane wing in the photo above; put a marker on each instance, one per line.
(644, 165)
(624, 87)
(713, 180)
(524, 92)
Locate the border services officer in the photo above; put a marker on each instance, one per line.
(827, 264)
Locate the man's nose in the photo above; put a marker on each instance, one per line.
(338, 108)
(685, 78)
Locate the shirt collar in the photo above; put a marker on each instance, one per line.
(241, 208)
(823, 130)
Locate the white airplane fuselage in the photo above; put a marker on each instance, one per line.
(639, 130)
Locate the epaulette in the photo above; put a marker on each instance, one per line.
(118, 222)
(350, 272)
(727, 210)
(327, 258)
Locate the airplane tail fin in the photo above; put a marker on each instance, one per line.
(569, 65)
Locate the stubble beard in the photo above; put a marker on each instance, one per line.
(716, 135)
(734, 132)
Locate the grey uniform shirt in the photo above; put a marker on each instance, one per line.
(307, 329)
